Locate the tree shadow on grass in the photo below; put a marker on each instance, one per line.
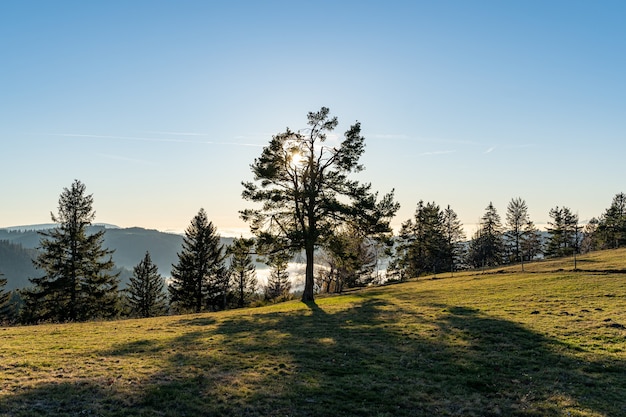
(369, 359)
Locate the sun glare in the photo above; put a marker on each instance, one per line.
(296, 158)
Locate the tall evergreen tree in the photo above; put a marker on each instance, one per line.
(563, 233)
(278, 283)
(306, 194)
(611, 229)
(145, 292)
(487, 247)
(454, 238)
(78, 283)
(198, 277)
(532, 244)
(423, 241)
(242, 270)
(591, 240)
(516, 221)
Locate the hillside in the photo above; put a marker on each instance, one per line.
(546, 342)
(129, 245)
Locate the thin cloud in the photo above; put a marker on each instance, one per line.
(490, 149)
(436, 153)
(125, 159)
(144, 139)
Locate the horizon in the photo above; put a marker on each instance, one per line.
(159, 109)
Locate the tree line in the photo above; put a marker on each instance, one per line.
(307, 204)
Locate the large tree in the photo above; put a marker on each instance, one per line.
(454, 238)
(303, 186)
(611, 230)
(78, 283)
(242, 270)
(516, 221)
(145, 292)
(422, 241)
(198, 277)
(563, 231)
(487, 246)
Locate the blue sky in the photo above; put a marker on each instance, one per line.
(159, 107)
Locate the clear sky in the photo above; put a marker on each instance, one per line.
(159, 107)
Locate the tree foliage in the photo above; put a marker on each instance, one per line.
(611, 228)
(563, 231)
(431, 242)
(200, 279)
(516, 221)
(78, 284)
(146, 290)
(5, 296)
(303, 186)
(242, 270)
(351, 258)
(487, 246)
(278, 284)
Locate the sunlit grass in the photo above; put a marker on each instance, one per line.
(546, 342)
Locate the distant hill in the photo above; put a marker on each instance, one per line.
(18, 247)
(16, 264)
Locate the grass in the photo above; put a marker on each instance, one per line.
(546, 342)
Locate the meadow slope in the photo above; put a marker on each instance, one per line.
(546, 342)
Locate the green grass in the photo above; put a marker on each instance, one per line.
(546, 342)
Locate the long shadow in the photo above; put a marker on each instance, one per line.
(370, 359)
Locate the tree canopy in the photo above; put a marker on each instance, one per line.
(78, 283)
(303, 186)
(200, 279)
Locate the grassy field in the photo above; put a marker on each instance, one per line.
(546, 342)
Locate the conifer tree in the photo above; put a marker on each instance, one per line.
(611, 230)
(563, 231)
(242, 270)
(516, 221)
(199, 279)
(145, 292)
(278, 283)
(454, 238)
(5, 296)
(486, 248)
(78, 283)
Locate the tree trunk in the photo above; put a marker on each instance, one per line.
(307, 294)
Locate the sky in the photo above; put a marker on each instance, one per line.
(160, 107)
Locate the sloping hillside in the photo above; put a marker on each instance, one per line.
(548, 342)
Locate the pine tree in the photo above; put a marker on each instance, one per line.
(242, 270)
(516, 220)
(532, 243)
(278, 283)
(199, 279)
(564, 233)
(454, 238)
(487, 246)
(145, 292)
(611, 229)
(5, 296)
(306, 194)
(78, 283)
(429, 242)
